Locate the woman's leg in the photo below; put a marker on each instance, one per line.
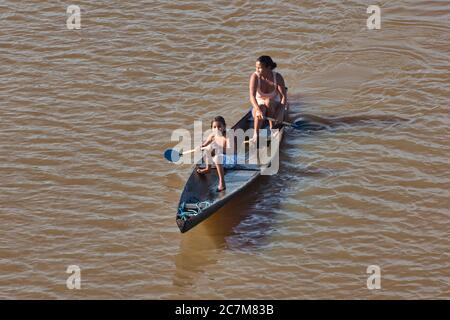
(276, 111)
(257, 122)
(272, 106)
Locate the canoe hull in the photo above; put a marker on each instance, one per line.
(200, 190)
(186, 225)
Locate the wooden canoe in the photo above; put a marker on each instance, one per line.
(199, 199)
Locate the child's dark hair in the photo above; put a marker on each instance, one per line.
(219, 119)
(267, 62)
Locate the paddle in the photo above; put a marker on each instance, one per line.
(294, 125)
(300, 124)
(173, 155)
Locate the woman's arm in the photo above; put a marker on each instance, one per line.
(282, 89)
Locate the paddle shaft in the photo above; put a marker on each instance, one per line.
(192, 150)
(283, 122)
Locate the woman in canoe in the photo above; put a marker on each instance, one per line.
(267, 93)
(216, 144)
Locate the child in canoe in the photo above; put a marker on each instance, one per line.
(216, 144)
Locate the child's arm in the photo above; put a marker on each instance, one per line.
(208, 140)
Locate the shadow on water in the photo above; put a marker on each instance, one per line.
(201, 247)
(247, 221)
(244, 224)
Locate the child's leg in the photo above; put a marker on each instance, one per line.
(218, 161)
(205, 170)
(208, 159)
(221, 175)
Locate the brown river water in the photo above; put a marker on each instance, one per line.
(85, 116)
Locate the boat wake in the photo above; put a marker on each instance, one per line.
(309, 122)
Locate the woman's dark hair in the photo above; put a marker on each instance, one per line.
(267, 62)
(219, 119)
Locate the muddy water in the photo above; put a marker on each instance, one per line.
(86, 114)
